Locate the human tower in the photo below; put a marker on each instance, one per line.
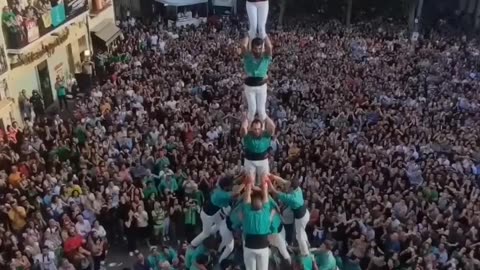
(249, 203)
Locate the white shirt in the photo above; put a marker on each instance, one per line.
(142, 219)
(83, 228)
(154, 40)
(46, 262)
(100, 231)
(212, 135)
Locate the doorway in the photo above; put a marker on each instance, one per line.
(71, 61)
(45, 84)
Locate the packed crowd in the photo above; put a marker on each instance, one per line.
(383, 142)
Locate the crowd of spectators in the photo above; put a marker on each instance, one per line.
(381, 132)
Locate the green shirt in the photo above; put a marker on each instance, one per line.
(81, 135)
(155, 260)
(306, 262)
(170, 147)
(171, 184)
(257, 145)
(256, 67)
(276, 224)
(221, 198)
(198, 196)
(294, 199)
(63, 153)
(148, 191)
(191, 216)
(161, 164)
(180, 179)
(256, 222)
(192, 254)
(339, 262)
(61, 91)
(326, 261)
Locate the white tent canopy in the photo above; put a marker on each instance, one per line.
(181, 3)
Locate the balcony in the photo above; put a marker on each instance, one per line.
(23, 26)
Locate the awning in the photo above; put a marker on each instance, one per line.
(106, 31)
(181, 3)
(224, 3)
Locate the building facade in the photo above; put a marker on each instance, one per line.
(41, 41)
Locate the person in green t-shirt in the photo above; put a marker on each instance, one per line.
(150, 190)
(191, 211)
(61, 93)
(324, 256)
(168, 184)
(201, 263)
(80, 134)
(210, 215)
(257, 144)
(160, 256)
(256, 62)
(257, 219)
(306, 262)
(294, 200)
(194, 253)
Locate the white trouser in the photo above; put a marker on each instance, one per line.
(256, 100)
(256, 168)
(208, 227)
(257, 18)
(227, 241)
(256, 259)
(278, 240)
(301, 235)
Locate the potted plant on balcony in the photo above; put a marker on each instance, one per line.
(12, 28)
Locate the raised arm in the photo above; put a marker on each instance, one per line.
(244, 46)
(247, 198)
(279, 179)
(265, 197)
(269, 126)
(268, 47)
(244, 128)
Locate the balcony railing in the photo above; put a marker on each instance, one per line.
(24, 25)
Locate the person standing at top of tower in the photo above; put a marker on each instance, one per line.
(257, 11)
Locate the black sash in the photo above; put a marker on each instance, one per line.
(256, 241)
(256, 156)
(300, 212)
(210, 209)
(254, 81)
